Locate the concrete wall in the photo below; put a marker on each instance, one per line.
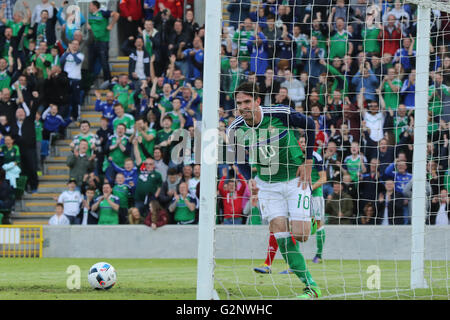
(239, 242)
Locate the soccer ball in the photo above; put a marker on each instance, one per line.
(102, 275)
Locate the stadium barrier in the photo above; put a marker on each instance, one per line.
(238, 242)
(21, 241)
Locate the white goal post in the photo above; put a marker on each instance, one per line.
(210, 123)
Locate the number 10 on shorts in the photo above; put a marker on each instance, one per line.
(305, 201)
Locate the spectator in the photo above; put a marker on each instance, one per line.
(118, 147)
(157, 216)
(122, 191)
(87, 215)
(149, 182)
(390, 36)
(85, 135)
(339, 206)
(175, 7)
(124, 119)
(53, 124)
(232, 198)
(241, 39)
(131, 15)
(107, 206)
(269, 87)
(36, 17)
(258, 52)
(148, 34)
(372, 125)
(194, 57)
(439, 209)
(103, 134)
(59, 219)
(44, 29)
(385, 155)
(138, 65)
(107, 107)
(121, 88)
(145, 136)
(160, 166)
(169, 187)
(391, 86)
(72, 61)
(339, 41)
(57, 91)
(134, 217)
(183, 206)
(99, 24)
(408, 90)
(71, 199)
(296, 89)
(313, 56)
(389, 206)
(80, 162)
(355, 164)
(6, 193)
(10, 160)
(368, 215)
(24, 133)
(239, 11)
(129, 171)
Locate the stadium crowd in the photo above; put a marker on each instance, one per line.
(350, 66)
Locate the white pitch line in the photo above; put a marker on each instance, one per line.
(362, 293)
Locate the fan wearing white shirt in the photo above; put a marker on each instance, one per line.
(72, 61)
(71, 199)
(440, 209)
(372, 124)
(59, 219)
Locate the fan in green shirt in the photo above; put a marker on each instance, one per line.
(241, 38)
(391, 90)
(146, 138)
(5, 74)
(339, 42)
(183, 205)
(107, 206)
(123, 118)
(369, 35)
(436, 94)
(9, 152)
(43, 60)
(122, 92)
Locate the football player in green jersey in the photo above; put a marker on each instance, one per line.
(319, 178)
(283, 173)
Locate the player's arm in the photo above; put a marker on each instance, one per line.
(322, 180)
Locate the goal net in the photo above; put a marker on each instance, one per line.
(374, 78)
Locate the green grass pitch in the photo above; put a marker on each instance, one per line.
(171, 279)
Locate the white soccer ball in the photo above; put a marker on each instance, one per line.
(102, 275)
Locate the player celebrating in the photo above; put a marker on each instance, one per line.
(318, 178)
(283, 175)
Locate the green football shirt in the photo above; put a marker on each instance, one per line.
(391, 98)
(370, 40)
(122, 192)
(99, 22)
(148, 145)
(127, 120)
(118, 157)
(272, 145)
(182, 212)
(106, 214)
(338, 45)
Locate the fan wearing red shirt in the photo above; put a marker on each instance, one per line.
(131, 15)
(232, 198)
(175, 7)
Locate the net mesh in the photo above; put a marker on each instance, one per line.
(351, 67)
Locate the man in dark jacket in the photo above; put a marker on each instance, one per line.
(24, 134)
(57, 91)
(389, 206)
